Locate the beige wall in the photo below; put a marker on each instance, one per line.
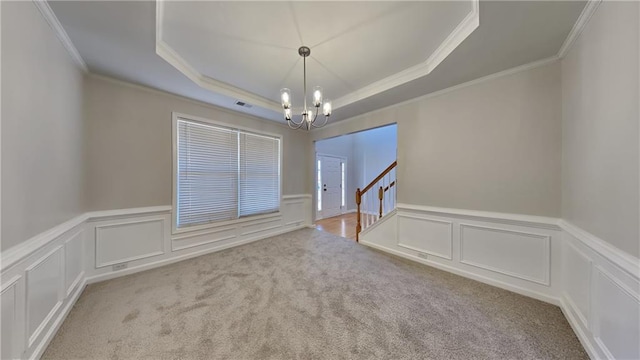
(128, 141)
(42, 153)
(493, 146)
(600, 191)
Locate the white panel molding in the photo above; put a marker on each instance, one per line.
(15, 254)
(568, 269)
(23, 263)
(449, 224)
(386, 217)
(387, 243)
(69, 263)
(57, 28)
(631, 345)
(296, 196)
(39, 349)
(33, 334)
(583, 334)
(10, 318)
(586, 14)
(577, 265)
(537, 285)
(545, 280)
(487, 216)
(101, 244)
(623, 260)
(210, 234)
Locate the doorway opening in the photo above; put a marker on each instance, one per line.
(344, 164)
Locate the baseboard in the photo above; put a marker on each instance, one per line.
(43, 277)
(585, 340)
(55, 326)
(601, 295)
(183, 257)
(467, 274)
(596, 285)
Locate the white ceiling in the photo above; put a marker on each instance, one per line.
(254, 45)
(366, 55)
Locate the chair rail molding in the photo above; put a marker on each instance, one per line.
(91, 247)
(596, 285)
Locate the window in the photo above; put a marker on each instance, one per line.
(223, 174)
(343, 202)
(319, 185)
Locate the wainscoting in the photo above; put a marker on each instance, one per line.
(596, 285)
(43, 277)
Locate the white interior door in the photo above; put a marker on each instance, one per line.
(329, 186)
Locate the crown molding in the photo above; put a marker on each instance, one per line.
(54, 23)
(586, 14)
(166, 52)
(153, 90)
(455, 38)
(459, 34)
(494, 76)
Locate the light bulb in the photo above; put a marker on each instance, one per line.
(317, 96)
(326, 109)
(285, 96)
(309, 115)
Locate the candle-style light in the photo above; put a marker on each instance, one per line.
(308, 118)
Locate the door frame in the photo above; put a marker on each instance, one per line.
(343, 159)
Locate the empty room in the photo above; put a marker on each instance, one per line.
(320, 179)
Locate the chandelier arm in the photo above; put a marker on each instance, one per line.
(297, 125)
(326, 118)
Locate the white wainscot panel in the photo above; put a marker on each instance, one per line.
(44, 284)
(73, 250)
(8, 300)
(208, 236)
(518, 254)
(576, 281)
(426, 235)
(616, 313)
(128, 241)
(254, 228)
(294, 213)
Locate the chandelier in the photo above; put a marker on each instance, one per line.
(309, 116)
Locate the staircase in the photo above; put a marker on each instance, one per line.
(376, 199)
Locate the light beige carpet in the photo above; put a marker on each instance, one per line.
(308, 295)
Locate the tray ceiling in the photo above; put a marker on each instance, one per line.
(357, 49)
(366, 55)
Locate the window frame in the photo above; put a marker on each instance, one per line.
(175, 116)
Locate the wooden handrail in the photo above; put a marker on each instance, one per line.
(382, 174)
(381, 192)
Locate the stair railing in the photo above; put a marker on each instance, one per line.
(371, 207)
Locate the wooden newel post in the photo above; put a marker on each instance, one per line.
(358, 226)
(380, 195)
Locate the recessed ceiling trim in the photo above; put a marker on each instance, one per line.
(581, 23)
(174, 59)
(490, 77)
(459, 34)
(62, 35)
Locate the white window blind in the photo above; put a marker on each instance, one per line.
(259, 174)
(223, 174)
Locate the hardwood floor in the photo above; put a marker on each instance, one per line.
(342, 225)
